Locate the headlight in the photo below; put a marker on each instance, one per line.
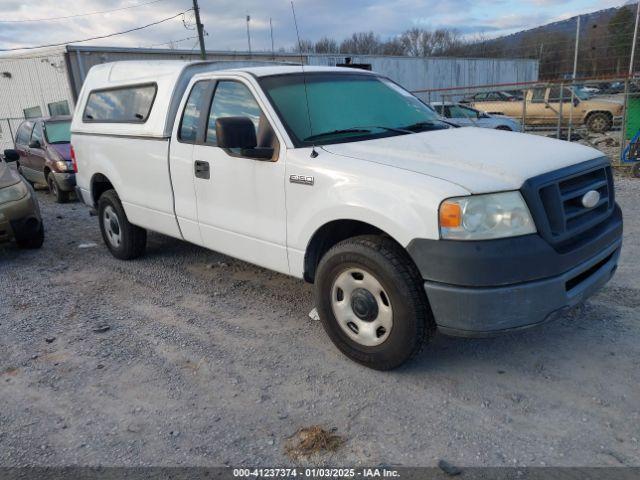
(482, 217)
(62, 166)
(13, 193)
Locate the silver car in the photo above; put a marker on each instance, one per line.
(466, 116)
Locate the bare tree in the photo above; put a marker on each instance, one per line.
(363, 43)
(326, 45)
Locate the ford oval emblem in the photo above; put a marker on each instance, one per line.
(590, 199)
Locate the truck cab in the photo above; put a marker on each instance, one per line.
(346, 180)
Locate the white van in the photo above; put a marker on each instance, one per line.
(342, 178)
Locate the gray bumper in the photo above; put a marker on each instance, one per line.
(478, 312)
(66, 181)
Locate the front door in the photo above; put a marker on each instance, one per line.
(23, 136)
(36, 152)
(240, 201)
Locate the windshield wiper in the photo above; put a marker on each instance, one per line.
(423, 126)
(366, 129)
(337, 132)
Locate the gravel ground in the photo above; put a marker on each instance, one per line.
(210, 361)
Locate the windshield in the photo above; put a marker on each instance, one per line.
(346, 108)
(58, 132)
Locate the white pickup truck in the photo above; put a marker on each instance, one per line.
(340, 177)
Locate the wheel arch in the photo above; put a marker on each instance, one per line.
(99, 184)
(591, 113)
(331, 233)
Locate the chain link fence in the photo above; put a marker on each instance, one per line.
(600, 112)
(8, 128)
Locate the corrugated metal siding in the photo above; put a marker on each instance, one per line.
(33, 82)
(432, 73)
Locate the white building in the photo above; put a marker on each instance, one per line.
(47, 82)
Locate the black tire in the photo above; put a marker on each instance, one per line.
(34, 241)
(599, 122)
(132, 239)
(505, 128)
(54, 189)
(401, 283)
(635, 170)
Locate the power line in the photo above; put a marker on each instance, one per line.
(50, 19)
(97, 37)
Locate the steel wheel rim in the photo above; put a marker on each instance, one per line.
(347, 300)
(112, 226)
(598, 123)
(53, 187)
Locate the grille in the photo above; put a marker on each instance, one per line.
(555, 200)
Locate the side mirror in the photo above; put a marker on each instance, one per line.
(11, 155)
(240, 133)
(576, 102)
(35, 144)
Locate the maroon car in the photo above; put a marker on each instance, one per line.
(44, 148)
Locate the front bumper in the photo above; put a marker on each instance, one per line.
(483, 288)
(19, 219)
(477, 312)
(66, 181)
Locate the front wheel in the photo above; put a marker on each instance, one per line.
(371, 302)
(124, 240)
(60, 195)
(599, 122)
(32, 241)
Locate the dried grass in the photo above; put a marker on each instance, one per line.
(311, 440)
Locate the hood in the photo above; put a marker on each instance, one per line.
(478, 159)
(595, 104)
(62, 149)
(8, 176)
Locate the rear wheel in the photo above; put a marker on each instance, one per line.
(371, 302)
(124, 240)
(599, 122)
(54, 189)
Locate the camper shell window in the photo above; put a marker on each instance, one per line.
(130, 104)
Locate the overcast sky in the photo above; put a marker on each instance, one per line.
(224, 20)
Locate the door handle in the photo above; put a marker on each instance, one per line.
(202, 169)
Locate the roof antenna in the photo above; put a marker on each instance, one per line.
(314, 153)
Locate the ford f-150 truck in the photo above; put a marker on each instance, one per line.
(342, 178)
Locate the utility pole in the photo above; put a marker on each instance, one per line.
(196, 9)
(249, 33)
(273, 50)
(573, 77)
(635, 38)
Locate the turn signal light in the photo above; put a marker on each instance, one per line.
(450, 215)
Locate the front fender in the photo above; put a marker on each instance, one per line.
(401, 203)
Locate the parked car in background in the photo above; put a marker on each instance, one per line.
(589, 89)
(493, 97)
(44, 148)
(543, 108)
(19, 212)
(465, 116)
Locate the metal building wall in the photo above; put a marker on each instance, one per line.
(435, 72)
(30, 81)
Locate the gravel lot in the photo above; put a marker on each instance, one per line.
(211, 361)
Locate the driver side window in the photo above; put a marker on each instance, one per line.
(231, 99)
(36, 136)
